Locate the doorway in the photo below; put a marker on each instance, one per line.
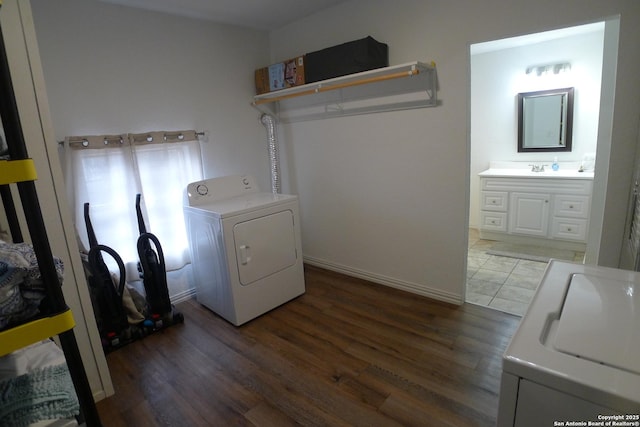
(498, 73)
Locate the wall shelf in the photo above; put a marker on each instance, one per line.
(400, 87)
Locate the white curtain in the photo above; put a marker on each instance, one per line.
(108, 171)
(164, 171)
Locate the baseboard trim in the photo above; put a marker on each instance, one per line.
(414, 288)
(403, 285)
(183, 296)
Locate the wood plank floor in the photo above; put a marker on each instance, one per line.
(346, 353)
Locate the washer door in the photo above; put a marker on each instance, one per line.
(264, 246)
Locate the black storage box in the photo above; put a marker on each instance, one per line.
(347, 58)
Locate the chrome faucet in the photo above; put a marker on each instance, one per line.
(537, 168)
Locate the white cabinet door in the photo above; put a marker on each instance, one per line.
(529, 214)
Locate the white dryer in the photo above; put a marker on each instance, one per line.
(245, 245)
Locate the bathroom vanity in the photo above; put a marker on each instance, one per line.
(518, 204)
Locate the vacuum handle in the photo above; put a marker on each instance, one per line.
(144, 249)
(93, 242)
(141, 226)
(97, 264)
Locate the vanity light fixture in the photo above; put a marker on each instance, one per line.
(558, 68)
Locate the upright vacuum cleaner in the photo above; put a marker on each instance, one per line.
(154, 276)
(106, 297)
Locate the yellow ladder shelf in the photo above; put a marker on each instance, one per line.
(12, 171)
(32, 332)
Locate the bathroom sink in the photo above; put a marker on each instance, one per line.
(527, 173)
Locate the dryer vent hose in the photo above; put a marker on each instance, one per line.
(274, 158)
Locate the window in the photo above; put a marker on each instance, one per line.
(109, 171)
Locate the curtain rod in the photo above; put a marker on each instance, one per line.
(109, 138)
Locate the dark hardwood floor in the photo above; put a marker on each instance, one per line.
(346, 353)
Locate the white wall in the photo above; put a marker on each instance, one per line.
(386, 195)
(496, 79)
(114, 69)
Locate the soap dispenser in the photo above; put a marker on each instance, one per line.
(555, 165)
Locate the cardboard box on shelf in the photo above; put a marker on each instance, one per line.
(281, 75)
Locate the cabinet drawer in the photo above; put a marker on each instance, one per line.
(569, 229)
(493, 221)
(571, 206)
(494, 200)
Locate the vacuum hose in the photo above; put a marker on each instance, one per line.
(274, 159)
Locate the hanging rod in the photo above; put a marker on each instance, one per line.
(335, 84)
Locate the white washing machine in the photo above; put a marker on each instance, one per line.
(575, 358)
(245, 245)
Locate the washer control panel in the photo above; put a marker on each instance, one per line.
(213, 189)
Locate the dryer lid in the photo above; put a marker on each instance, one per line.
(244, 204)
(600, 321)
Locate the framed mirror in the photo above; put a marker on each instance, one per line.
(545, 120)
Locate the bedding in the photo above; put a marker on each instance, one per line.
(22, 290)
(35, 386)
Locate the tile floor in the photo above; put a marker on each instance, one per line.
(506, 284)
